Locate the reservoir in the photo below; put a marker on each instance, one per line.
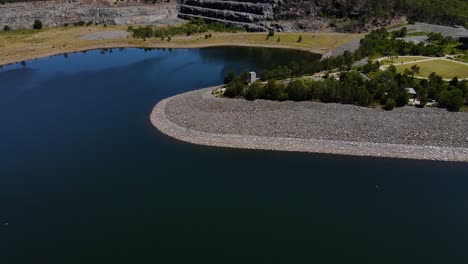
(86, 178)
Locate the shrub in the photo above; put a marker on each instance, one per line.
(423, 101)
(79, 24)
(254, 91)
(37, 24)
(6, 28)
(229, 77)
(89, 23)
(299, 39)
(279, 39)
(234, 89)
(169, 38)
(271, 33)
(389, 104)
(297, 91)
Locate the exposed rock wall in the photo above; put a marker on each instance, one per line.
(54, 13)
(255, 15)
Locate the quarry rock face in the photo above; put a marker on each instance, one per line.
(254, 15)
(56, 13)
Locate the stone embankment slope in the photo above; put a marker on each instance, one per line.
(200, 118)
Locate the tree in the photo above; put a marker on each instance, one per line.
(271, 33)
(37, 24)
(348, 59)
(6, 28)
(444, 98)
(415, 68)
(297, 91)
(456, 100)
(364, 97)
(389, 104)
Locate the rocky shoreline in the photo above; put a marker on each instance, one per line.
(425, 134)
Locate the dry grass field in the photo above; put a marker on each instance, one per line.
(16, 46)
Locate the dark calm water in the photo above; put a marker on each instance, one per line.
(85, 178)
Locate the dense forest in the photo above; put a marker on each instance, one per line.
(444, 12)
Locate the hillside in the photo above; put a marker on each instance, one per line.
(352, 15)
(355, 16)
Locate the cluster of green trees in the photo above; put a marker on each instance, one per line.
(298, 68)
(400, 33)
(380, 42)
(387, 88)
(194, 26)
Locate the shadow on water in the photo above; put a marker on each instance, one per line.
(85, 177)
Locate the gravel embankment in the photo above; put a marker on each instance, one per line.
(351, 46)
(408, 132)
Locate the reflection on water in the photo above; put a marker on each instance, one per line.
(85, 178)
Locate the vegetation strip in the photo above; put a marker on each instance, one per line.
(188, 133)
(338, 80)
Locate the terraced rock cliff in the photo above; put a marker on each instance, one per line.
(255, 15)
(60, 12)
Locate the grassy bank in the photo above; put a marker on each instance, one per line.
(20, 45)
(445, 68)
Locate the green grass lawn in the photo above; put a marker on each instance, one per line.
(444, 68)
(399, 60)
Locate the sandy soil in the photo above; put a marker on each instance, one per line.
(101, 35)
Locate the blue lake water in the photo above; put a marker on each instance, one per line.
(86, 178)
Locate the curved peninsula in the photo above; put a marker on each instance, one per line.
(426, 134)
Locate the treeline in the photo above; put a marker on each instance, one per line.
(387, 88)
(194, 26)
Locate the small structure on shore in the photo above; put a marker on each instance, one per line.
(413, 94)
(252, 77)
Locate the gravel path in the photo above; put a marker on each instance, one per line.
(408, 132)
(444, 30)
(102, 35)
